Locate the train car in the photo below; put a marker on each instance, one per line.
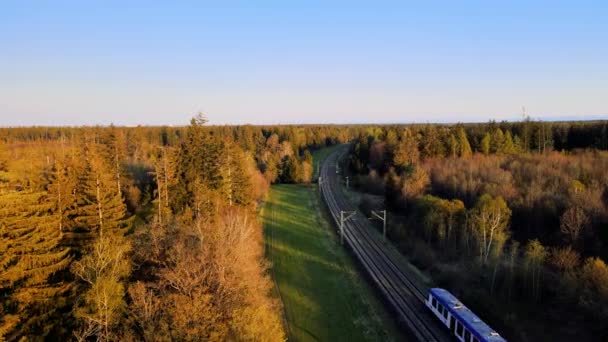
(461, 321)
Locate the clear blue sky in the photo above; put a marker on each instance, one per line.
(97, 62)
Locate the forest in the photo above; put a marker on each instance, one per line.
(143, 233)
(515, 215)
(152, 233)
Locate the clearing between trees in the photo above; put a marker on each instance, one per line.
(325, 298)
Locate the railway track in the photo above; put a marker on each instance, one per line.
(405, 296)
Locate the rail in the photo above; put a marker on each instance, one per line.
(404, 295)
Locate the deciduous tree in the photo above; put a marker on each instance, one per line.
(491, 216)
(406, 152)
(534, 259)
(509, 146)
(463, 144)
(572, 224)
(103, 269)
(485, 144)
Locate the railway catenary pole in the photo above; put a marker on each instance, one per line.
(383, 218)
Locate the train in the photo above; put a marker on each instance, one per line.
(461, 321)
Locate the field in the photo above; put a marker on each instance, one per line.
(324, 296)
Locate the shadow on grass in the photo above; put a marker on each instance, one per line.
(315, 284)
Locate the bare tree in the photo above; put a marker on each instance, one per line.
(573, 223)
(565, 259)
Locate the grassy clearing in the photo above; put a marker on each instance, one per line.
(324, 296)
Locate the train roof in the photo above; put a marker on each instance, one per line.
(475, 325)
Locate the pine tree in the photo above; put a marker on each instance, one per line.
(30, 254)
(235, 183)
(61, 189)
(100, 213)
(100, 207)
(208, 166)
(112, 148)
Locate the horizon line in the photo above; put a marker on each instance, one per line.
(386, 123)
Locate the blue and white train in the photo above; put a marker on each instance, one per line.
(461, 321)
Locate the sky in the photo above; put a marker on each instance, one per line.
(291, 62)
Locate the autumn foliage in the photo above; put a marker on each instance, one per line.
(513, 213)
(145, 233)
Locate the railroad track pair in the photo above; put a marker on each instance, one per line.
(405, 297)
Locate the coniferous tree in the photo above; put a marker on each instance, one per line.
(61, 190)
(100, 206)
(235, 183)
(30, 254)
(208, 164)
(198, 168)
(100, 217)
(112, 148)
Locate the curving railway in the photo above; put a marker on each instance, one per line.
(404, 295)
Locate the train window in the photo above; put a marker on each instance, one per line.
(434, 302)
(467, 335)
(475, 339)
(458, 329)
(445, 313)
